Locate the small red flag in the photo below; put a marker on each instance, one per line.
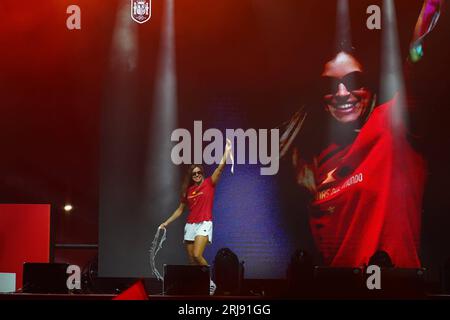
(135, 292)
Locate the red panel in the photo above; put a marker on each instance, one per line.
(24, 236)
(135, 292)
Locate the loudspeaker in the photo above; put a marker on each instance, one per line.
(400, 283)
(396, 283)
(186, 280)
(45, 277)
(300, 274)
(228, 272)
(339, 282)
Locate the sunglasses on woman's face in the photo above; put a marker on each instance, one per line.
(196, 173)
(352, 81)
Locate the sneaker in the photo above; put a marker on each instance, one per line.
(212, 287)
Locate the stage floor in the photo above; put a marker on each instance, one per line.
(39, 296)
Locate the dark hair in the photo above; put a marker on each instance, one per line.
(382, 259)
(187, 180)
(369, 63)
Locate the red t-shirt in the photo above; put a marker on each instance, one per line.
(200, 201)
(369, 195)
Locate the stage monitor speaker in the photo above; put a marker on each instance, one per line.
(186, 280)
(339, 282)
(400, 283)
(45, 277)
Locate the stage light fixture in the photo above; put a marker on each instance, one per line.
(68, 207)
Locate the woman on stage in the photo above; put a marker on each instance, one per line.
(198, 194)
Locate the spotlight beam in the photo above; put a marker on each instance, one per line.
(160, 168)
(391, 78)
(343, 29)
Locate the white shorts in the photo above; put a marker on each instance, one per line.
(191, 230)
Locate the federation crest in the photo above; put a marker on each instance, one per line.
(141, 10)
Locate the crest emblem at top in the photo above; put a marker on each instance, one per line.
(141, 10)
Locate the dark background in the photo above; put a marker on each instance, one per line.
(238, 64)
